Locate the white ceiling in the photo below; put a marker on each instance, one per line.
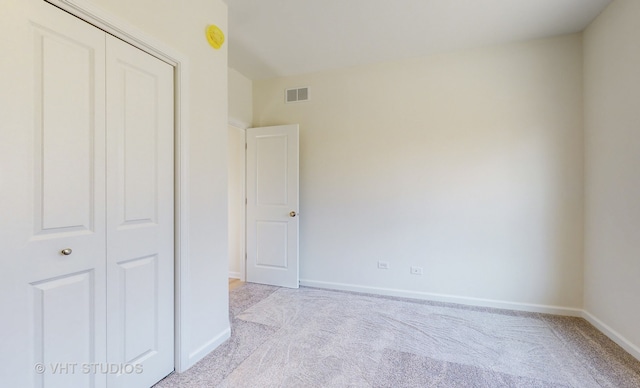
(270, 38)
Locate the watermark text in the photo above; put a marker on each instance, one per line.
(103, 368)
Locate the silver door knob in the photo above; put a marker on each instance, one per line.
(66, 251)
(292, 214)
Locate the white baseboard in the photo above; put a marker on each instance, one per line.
(536, 308)
(205, 349)
(234, 275)
(612, 334)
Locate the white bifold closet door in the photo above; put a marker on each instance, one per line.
(86, 216)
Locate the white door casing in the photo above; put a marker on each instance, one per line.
(53, 182)
(272, 205)
(237, 169)
(53, 198)
(140, 247)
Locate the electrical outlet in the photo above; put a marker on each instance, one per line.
(416, 270)
(383, 265)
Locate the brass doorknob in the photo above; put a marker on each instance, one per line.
(66, 251)
(292, 214)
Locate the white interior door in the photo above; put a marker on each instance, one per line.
(53, 197)
(272, 205)
(140, 251)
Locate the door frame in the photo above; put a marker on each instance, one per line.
(240, 126)
(123, 30)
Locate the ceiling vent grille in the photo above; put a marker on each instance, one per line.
(296, 95)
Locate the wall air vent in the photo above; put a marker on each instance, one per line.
(296, 95)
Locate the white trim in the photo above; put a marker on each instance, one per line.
(125, 31)
(238, 123)
(612, 334)
(119, 28)
(208, 347)
(242, 274)
(616, 337)
(182, 211)
(535, 308)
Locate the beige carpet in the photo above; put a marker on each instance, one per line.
(318, 338)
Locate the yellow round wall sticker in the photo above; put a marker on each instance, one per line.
(215, 36)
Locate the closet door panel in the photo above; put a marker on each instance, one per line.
(140, 251)
(52, 155)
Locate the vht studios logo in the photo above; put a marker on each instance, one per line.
(70, 368)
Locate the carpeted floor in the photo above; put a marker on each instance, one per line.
(319, 338)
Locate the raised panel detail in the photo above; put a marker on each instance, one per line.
(64, 138)
(64, 329)
(139, 304)
(271, 244)
(138, 180)
(271, 170)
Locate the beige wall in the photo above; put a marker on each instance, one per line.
(468, 164)
(240, 118)
(181, 26)
(236, 202)
(240, 99)
(612, 131)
